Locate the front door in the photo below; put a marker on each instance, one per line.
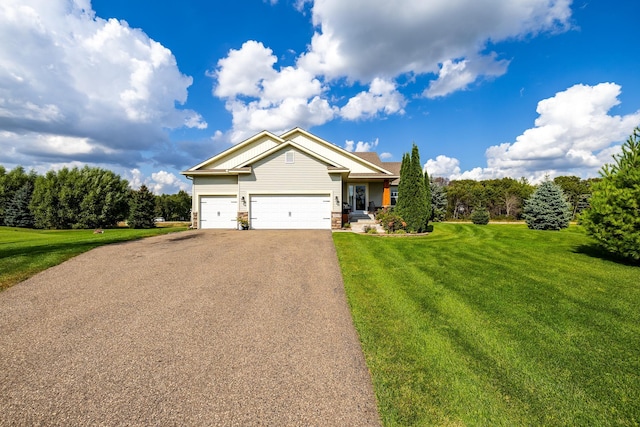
(358, 197)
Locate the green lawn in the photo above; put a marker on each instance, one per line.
(25, 252)
(495, 325)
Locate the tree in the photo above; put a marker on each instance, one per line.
(427, 189)
(547, 208)
(613, 218)
(480, 216)
(10, 183)
(438, 201)
(142, 209)
(576, 190)
(17, 213)
(412, 203)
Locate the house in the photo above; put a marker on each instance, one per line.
(292, 181)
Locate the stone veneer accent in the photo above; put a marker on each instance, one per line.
(244, 215)
(336, 220)
(194, 220)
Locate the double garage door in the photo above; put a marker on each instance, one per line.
(298, 211)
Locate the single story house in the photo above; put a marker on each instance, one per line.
(292, 181)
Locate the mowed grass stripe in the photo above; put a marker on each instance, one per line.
(495, 325)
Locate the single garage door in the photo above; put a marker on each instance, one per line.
(218, 212)
(300, 211)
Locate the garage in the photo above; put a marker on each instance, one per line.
(218, 212)
(299, 211)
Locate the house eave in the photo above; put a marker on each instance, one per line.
(208, 172)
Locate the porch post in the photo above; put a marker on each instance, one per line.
(386, 194)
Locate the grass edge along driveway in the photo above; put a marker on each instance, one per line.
(25, 252)
(495, 325)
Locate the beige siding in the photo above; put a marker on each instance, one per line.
(332, 154)
(375, 193)
(225, 185)
(306, 175)
(243, 154)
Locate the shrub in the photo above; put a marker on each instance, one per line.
(370, 229)
(390, 220)
(480, 216)
(547, 208)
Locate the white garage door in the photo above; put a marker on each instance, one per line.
(218, 212)
(291, 212)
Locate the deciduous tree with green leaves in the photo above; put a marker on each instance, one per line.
(613, 217)
(547, 208)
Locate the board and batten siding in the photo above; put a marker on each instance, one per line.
(243, 154)
(306, 175)
(224, 185)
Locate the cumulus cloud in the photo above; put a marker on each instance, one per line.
(364, 39)
(574, 134)
(386, 156)
(161, 182)
(374, 42)
(360, 146)
(442, 166)
(382, 96)
(74, 86)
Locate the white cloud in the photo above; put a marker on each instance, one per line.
(74, 86)
(161, 182)
(459, 75)
(382, 96)
(375, 42)
(364, 39)
(442, 166)
(574, 134)
(360, 146)
(385, 156)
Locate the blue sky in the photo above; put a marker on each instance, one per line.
(485, 89)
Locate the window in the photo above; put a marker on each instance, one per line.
(289, 157)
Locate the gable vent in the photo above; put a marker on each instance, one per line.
(289, 157)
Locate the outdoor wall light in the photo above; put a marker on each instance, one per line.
(244, 202)
(337, 200)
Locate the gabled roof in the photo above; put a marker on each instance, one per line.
(241, 156)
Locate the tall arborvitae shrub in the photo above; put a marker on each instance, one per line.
(547, 208)
(412, 203)
(142, 209)
(17, 213)
(613, 217)
(427, 189)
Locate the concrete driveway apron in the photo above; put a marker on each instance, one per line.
(228, 328)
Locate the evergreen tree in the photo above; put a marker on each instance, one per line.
(547, 208)
(17, 213)
(614, 216)
(412, 203)
(480, 216)
(427, 188)
(10, 183)
(142, 209)
(438, 201)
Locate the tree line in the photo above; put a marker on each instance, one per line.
(87, 197)
(502, 198)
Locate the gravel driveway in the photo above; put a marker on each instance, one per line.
(224, 328)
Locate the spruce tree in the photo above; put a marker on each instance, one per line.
(17, 213)
(613, 217)
(438, 201)
(547, 208)
(142, 209)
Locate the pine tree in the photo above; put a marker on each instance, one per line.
(547, 208)
(17, 213)
(142, 209)
(480, 216)
(613, 218)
